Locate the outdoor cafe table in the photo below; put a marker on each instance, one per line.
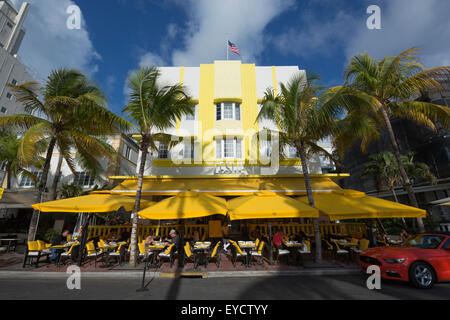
(293, 248)
(156, 248)
(108, 248)
(201, 248)
(9, 244)
(248, 246)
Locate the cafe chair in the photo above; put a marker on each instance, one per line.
(327, 248)
(168, 254)
(237, 253)
(215, 254)
(339, 252)
(188, 255)
(282, 253)
(64, 256)
(363, 245)
(306, 249)
(120, 253)
(33, 252)
(259, 252)
(92, 253)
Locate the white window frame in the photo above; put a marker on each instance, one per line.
(10, 95)
(26, 181)
(81, 178)
(163, 151)
(127, 153)
(4, 112)
(192, 117)
(237, 143)
(237, 116)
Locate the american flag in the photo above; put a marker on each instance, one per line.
(233, 47)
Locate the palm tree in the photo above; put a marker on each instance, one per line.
(387, 89)
(72, 115)
(304, 114)
(14, 167)
(383, 167)
(153, 108)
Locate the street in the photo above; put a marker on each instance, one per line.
(290, 288)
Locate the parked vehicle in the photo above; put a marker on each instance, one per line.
(423, 260)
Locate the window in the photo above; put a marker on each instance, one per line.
(162, 151)
(3, 110)
(127, 153)
(292, 152)
(14, 82)
(26, 181)
(188, 152)
(229, 148)
(9, 24)
(84, 179)
(9, 96)
(228, 111)
(191, 117)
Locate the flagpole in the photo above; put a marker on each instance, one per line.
(227, 50)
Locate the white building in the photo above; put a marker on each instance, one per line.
(11, 69)
(221, 138)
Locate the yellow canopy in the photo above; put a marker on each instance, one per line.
(351, 204)
(267, 205)
(228, 185)
(95, 203)
(185, 205)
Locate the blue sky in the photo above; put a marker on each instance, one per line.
(118, 36)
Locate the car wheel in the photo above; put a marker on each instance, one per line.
(422, 275)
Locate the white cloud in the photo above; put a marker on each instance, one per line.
(408, 23)
(151, 59)
(211, 23)
(405, 24)
(49, 44)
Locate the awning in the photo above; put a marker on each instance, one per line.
(351, 204)
(228, 185)
(186, 205)
(442, 202)
(268, 205)
(95, 203)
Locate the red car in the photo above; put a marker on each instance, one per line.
(423, 260)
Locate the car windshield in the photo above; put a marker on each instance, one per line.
(424, 241)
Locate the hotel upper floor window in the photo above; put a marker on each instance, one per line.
(162, 151)
(26, 181)
(14, 82)
(127, 152)
(228, 111)
(9, 95)
(3, 110)
(292, 152)
(229, 148)
(188, 151)
(84, 179)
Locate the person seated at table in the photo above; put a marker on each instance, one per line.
(195, 235)
(225, 235)
(58, 240)
(300, 237)
(278, 239)
(174, 239)
(112, 236)
(150, 238)
(124, 236)
(256, 233)
(404, 235)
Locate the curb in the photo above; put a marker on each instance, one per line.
(217, 274)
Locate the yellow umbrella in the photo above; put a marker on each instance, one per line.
(352, 204)
(267, 205)
(186, 205)
(95, 203)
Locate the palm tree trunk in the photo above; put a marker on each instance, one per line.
(35, 217)
(137, 204)
(396, 200)
(301, 150)
(56, 178)
(405, 179)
